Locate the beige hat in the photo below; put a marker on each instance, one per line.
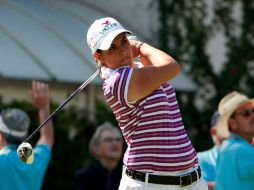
(226, 108)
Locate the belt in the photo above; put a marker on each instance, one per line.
(183, 180)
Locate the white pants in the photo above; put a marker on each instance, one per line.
(130, 184)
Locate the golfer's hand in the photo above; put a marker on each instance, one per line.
(135, 46)
(40, 95)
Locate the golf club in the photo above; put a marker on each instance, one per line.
(25, 150)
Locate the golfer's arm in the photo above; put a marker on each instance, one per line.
(159, 68)
(46, 132)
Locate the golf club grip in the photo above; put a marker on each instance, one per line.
(81, 87)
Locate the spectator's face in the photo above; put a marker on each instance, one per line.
(243, 121)
(119, 54)
(110, 146)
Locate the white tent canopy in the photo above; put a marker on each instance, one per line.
(46, 40)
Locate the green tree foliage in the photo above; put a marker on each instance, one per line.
(239, 67)
(185, 31)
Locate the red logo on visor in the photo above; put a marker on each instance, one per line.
(105, 23)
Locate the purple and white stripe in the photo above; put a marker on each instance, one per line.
(152, 127)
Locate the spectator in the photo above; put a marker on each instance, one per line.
(207, 159)
(106, 146)
(160, 154)
(235, 165)
(14, 126)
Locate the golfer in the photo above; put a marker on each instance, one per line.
(159, 153)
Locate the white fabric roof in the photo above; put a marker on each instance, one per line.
(45, 40)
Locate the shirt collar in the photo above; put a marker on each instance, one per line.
(235, 136)
(107, 72)
(8, 148)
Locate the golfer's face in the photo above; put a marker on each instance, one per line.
(119, 54)
(110, 146)
(244, 117)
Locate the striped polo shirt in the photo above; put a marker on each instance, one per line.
(152, 126)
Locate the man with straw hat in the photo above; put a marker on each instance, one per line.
(235, 164)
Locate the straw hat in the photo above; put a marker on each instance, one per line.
(226, 108)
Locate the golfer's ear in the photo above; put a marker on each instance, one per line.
(1, 136)
(96, 151)
(213, 131)
(98, 56)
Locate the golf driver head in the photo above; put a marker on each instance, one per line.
(25, 153)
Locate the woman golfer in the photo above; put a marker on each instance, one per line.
(159, 153)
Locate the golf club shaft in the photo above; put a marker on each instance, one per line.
(81, 87)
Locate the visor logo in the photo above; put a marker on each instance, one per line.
(107, 26)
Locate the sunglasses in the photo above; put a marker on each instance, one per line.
(246, 113)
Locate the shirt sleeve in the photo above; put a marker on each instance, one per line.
(206, 165)
(42, 155)
(119, 85)
(203, 165)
